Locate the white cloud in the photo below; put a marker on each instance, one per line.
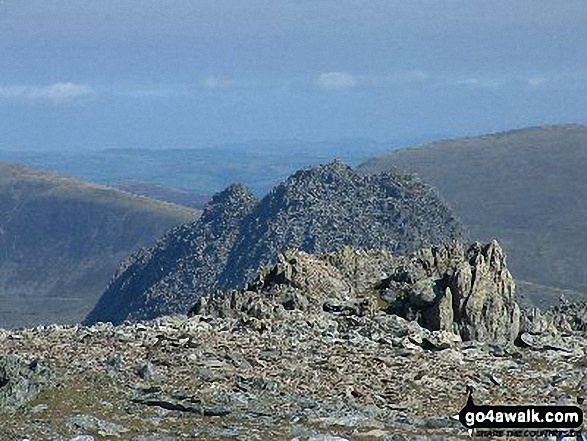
(213, 82)
(418, 75)
(335, 81)
(147, 92)
(535, 82)
(58, 93)
(481, 83)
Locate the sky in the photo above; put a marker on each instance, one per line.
(93, 74)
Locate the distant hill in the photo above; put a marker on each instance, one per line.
(317, 210)
(527, 187)
(61, 239)
(180, 197)
(203, 169)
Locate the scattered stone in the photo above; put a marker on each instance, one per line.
(311, 348)
(148, 372)
(92, 424)
(327, 438)
(115, 361)
(158, 437)
(439, 340)
(39, 408)
(542, 342)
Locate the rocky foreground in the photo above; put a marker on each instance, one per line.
(315, 348)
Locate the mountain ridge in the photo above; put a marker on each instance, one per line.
(520, 186)
(61, 238)
(315, 210)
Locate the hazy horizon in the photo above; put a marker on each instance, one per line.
(117, 74)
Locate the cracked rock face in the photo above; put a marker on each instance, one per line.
(470, 292)
(318, 210)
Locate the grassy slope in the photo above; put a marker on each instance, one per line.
(526, 187)
(62, 239)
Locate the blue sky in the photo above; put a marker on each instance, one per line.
(91, 74)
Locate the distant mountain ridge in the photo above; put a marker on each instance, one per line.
(61, 239)
(525, 187)
(317, 210)
(205, 169)
(180, 197)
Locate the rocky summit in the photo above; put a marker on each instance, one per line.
(312, 349)
(318, 210)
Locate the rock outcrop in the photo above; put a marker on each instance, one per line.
(469, 292)
(521, 187)
(447, 290)
(568, 316)
(20, 381)
(317, 210)
(344, 282)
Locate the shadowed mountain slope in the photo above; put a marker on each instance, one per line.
(61, 239)
(186, 261)
(316, 210)
(525, 187)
